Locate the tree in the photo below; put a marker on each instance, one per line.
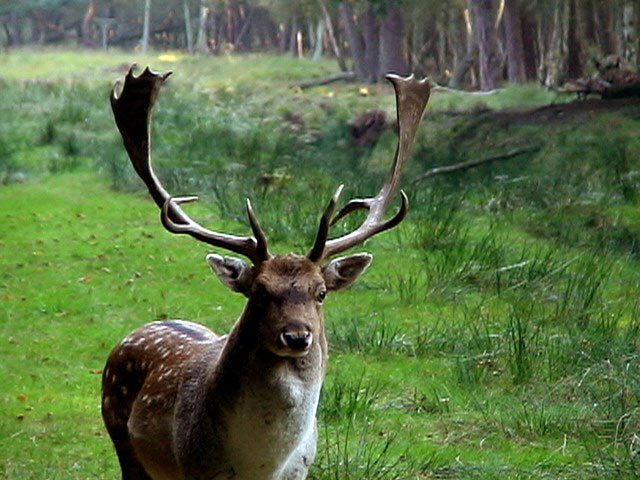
(629, 33)
(393, 50)
(146, 26)
(485, 34)
(513, 41)
(356, 42)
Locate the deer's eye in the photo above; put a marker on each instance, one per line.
(260, 293)
(322, 294)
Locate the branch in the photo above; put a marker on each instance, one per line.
(344, 76)
(439, 88)
(473, 163)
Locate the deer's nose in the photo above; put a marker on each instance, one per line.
(297, 341)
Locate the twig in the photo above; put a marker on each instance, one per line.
(473, 163)
(344, 76)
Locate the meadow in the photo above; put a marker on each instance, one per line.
(496, 334)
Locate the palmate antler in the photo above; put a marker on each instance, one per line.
(133, 106)
(411, 100)
(132, 109)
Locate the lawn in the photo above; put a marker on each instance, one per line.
(494, 336)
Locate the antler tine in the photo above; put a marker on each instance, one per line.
(132, 109)
(411, 99)
(315, 255)
(258, 233)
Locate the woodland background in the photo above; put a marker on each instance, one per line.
(462, 43)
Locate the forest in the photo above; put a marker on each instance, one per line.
(477, 44)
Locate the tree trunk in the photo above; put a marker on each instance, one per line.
(146, 26)
(574, 48)
(202, 41)
(13, 30)
(393, 54)
(232, 21)
(356, 44)
(243, 34)
(464, 63)
(605, 27)
(514, 44)
(629, 37)
(86, 29)
(332, 37)
(371, 36)
(293, 38)
(319, 40)
(555, 61)
(187, 25)
(441, 49)
(531, 48)
(485, 31)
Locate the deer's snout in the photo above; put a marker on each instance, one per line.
(295, 341)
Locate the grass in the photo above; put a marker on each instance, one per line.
(495, 335)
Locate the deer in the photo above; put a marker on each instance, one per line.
(181, 402)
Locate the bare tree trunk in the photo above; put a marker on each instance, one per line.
(356, 44)
(16, 28)
(555, 61)
(293, 37)
(371, 36)
(232, 21)
(514, 44)
(465, 63)
(187, 25)
(319, 40)
(202, 40)
(441, 19)
(629, 37)
(485, 31)
(574, 48)
(244, 31)
(332, 37)
(530, 45)
(605, 27)
(393, 53)
(86, 29)
(146, 26)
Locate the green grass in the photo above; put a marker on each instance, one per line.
(494, 336)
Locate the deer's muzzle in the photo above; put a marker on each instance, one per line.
(295, 343)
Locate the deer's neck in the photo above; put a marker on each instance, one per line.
(247, 367)
(267, 404)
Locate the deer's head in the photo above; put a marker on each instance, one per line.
(285, 292)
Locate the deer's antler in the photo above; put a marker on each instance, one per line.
(411, 99)
(132, 109)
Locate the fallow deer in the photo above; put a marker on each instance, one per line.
(181, 402)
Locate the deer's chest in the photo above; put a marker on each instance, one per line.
(271, 429)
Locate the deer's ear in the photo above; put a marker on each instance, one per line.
(233, 272)
(342, 272)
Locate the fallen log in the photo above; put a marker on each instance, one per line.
(473, 163)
